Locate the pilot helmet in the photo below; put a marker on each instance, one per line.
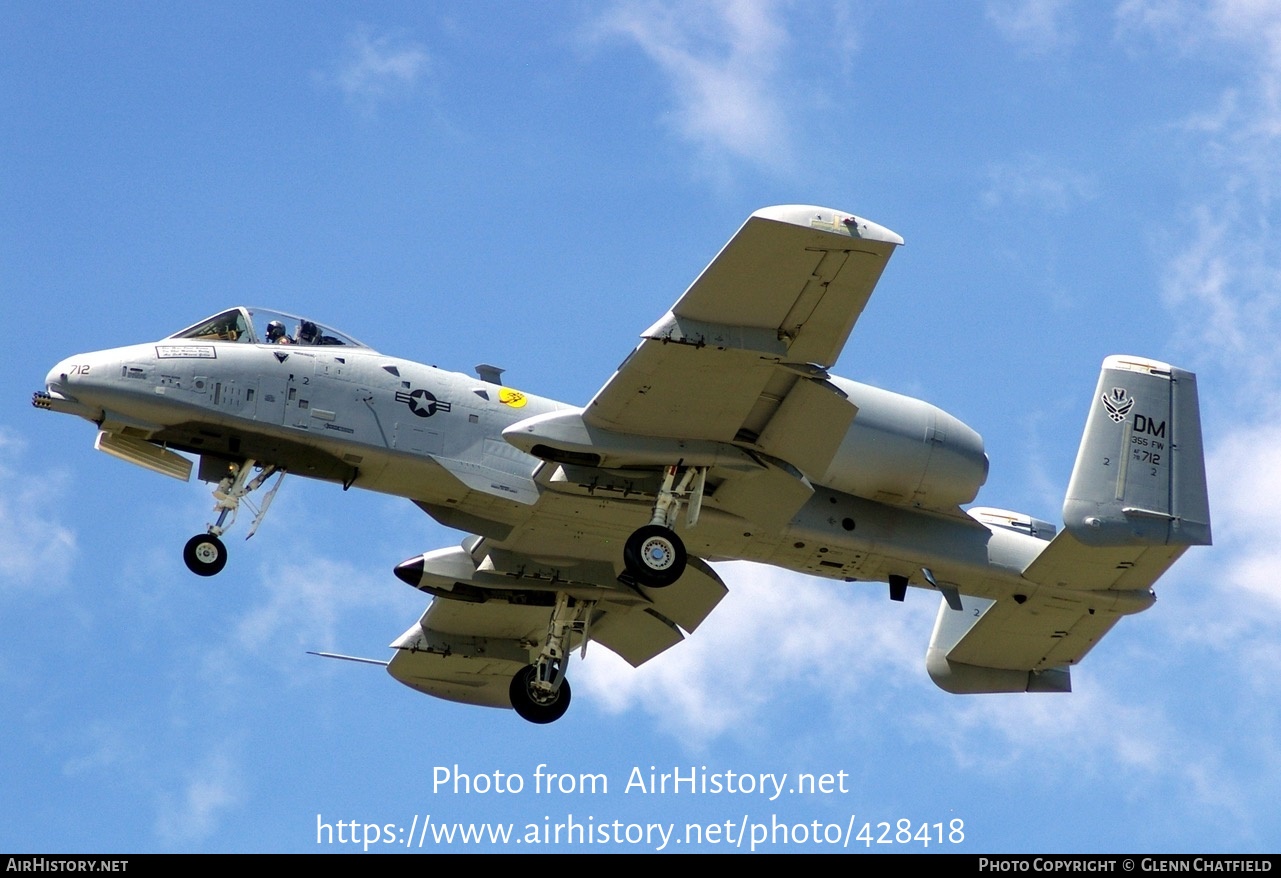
(275, 329)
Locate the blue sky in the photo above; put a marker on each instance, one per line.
(532, 186)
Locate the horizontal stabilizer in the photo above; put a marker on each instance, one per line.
(1021, 643)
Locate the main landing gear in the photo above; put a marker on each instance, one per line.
(539, 692)
(654, 555)
(205, 554)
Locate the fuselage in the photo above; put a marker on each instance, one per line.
(342, 412)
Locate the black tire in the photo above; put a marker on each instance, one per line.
(655, 556)
(205, 555)
(534, 706)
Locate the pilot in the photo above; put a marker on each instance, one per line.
(276, 333)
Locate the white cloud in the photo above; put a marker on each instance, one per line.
(777, 634)
(1221, 252)
(35, 548)
(1240, 35)
(723, 62)
(781, 639)
(1014, 728)
(1221, 277)
(1203, 275)
(1245, 470)
(304, 608)
(210, 789)
(1256, 22)
(376, 67)
(105, 747)
(1169, 20)
(1034, 181)
(1100, 732)
(1037, 27)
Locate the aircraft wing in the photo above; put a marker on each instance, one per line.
(467, 648)
(743, 354)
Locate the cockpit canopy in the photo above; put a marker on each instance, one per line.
(261, 326)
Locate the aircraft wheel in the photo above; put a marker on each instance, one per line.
(533, 705)
(655, 555)
(205, 555)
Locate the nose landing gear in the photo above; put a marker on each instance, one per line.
(205, 554)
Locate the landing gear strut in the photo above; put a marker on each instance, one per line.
(654, 555)
(539, 692)
(205, 554)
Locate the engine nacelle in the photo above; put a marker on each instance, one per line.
(897, 449)
(907, 452)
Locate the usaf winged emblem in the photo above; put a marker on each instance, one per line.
(1118, 403)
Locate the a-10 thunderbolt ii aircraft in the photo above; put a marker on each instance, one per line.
(721, 436)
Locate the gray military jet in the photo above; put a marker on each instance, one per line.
(721, 436)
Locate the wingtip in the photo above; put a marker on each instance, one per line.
(830, 220)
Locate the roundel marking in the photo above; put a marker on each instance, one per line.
(423, 403)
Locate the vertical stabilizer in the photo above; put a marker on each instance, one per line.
(1139, 477)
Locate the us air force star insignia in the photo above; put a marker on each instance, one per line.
(422, 402)
(1118, 403)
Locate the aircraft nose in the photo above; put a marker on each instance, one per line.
(57, 377)
(411, 571)
(57, 395)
